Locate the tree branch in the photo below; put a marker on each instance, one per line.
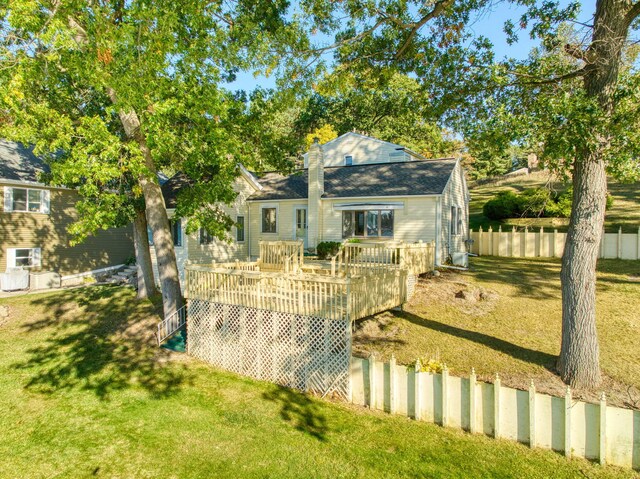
(633, 13)
(558, 79)
(437, 10)
(576, 52)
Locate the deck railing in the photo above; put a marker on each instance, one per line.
(363, 258)
(309, 294)
(279, 255)
(171, 324)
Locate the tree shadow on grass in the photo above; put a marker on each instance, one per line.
(532, 277)
(299, 410)
(540, 358)
(98, 339)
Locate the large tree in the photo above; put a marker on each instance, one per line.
(434, 41)
(148, 73)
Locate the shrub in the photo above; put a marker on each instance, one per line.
(561, 206)
(326, 249)
(503, 205)
(532, 202)
(609, 201)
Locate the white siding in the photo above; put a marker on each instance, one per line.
(285, 222)
(362, 148)
(414, 222)
(455, 194)
(223, 251)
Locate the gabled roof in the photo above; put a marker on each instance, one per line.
(412, 178)
(172, 187)
(18, 163)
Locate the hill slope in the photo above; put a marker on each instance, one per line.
(624, 213)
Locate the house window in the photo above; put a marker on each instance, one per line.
(240, 229)
(456, 220)
(369, 224)
(26, 200)
(205, 237)
(23, 257)
(269, 217)
(348, 160)
(176, 232)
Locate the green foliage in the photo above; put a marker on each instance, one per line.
(324, 134)
(327, 249)
(394, 108)
(531, 203)
(167, 64)
(503, 205)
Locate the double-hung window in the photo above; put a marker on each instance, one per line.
(23, 257)
(26, 200)
(367, 224)
(269, 220)
(240, 229)
(456, 225)
(176, 232)
(205, 237)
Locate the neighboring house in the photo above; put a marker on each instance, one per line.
(351, 187)
(34, 220)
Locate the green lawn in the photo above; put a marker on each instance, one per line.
(516, 331)
(624, 213)
(84, 393)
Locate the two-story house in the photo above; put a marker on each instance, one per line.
(33, 225)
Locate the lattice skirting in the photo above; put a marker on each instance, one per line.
(304, 352)
(412, 280)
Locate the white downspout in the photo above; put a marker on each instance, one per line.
(438, 228)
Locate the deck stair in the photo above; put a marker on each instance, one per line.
(171, 324)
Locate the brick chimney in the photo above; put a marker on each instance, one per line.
(316, 190)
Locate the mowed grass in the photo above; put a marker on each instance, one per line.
(624, 213)
(85, 393)
(516, 331)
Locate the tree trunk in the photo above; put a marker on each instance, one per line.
(579, 354)
(146, 281)
(156, 214)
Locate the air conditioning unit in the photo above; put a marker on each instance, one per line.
(460, 259)
(14, 279)
(45, 280)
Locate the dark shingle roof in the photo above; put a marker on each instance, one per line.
(171, 188)
(18, 163)
(425, 177)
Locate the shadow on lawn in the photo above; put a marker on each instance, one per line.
(300, 410)
(543, 359)
(98, 339)
(532, 277)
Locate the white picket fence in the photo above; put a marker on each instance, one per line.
(548, 244)
(608, 434)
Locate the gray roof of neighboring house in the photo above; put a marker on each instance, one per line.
(411, 178)
(18, 163)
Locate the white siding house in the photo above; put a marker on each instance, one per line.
(386, 193)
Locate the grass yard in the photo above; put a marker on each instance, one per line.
(516, 329)
(624, 213)
(85, 393)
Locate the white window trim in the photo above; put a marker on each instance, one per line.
(387, 205)
(345, 160)
(36, 257)
(268, 206)
(45, 200)
(459, 214)
(244, 217)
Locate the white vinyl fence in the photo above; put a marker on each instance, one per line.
(608, 434)
(548, 244)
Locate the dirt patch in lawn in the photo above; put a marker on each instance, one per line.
(504, 316)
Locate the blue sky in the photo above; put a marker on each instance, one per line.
(489, 25)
